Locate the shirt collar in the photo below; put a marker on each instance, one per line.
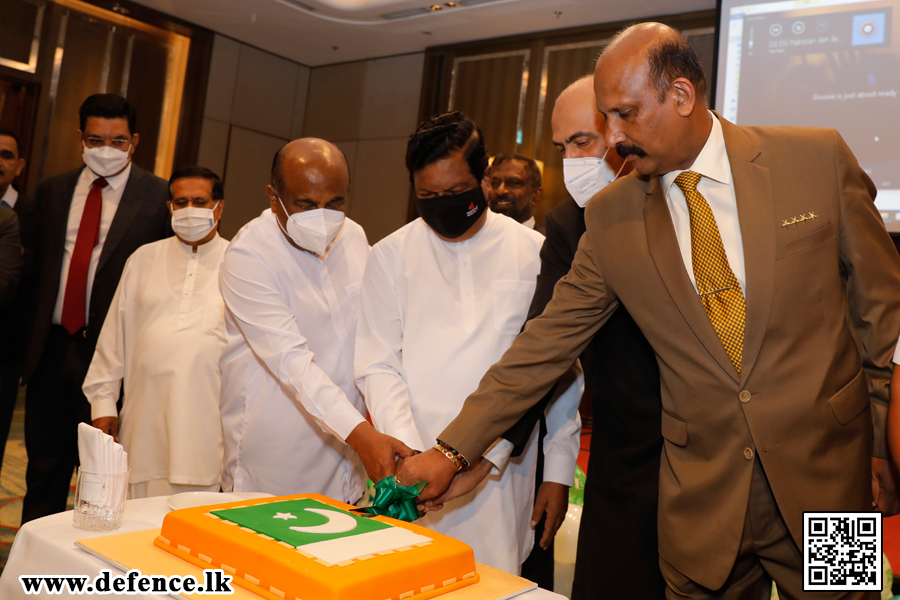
(529, 223)
(10, 196)
(712, 162)
(201, 249)
(114, 182)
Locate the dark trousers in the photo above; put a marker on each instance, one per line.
(767, 552)
(618, 537)
(538, 567)
(9, 392)
(54, 406)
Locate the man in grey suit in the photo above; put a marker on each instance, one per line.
(91, 220)
(754, 261)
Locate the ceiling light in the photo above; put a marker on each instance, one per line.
(436, 7)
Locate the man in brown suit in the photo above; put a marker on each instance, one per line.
(747, 256)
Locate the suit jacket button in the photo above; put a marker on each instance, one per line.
(745, 396)
(748, 453)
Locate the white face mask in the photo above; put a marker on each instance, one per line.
(193, 224)
(585, 177)
(105, 161)
(313, 230)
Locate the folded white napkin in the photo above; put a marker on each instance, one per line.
(100, 458)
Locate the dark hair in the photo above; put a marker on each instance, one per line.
(671, 59)
(107, 106)
(440, 136)
(10, 133)
(218, 191)
(277, 175)
(534, 173)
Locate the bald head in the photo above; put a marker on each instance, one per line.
(308, 174)
(308, 153)
(650, 88)
(578, 129)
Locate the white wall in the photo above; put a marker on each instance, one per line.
(256, 102)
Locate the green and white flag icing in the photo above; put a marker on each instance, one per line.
(328, 533)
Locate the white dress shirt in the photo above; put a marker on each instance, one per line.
(163, 335)
(112, 195)
(530, 223)
(288, 396)
(717, 186)
(10, 196)
(435, 315)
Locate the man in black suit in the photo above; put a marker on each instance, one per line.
(91, 220)
(15, 317)
(10, 256)
(618, 525)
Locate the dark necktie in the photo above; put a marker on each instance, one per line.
(719, 289)
(73, 311)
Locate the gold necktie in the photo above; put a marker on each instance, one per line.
(719, 289)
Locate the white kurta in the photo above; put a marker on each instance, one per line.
(163, 334)
(288, 395)
(435, 315)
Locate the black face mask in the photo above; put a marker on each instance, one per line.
(452, 216)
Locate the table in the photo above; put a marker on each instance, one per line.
(47, 547)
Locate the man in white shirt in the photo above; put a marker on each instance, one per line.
(513, 188)
(91, 220)
(442, 299)
(164, 334)
(290, 280)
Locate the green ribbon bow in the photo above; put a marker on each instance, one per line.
(395, 500)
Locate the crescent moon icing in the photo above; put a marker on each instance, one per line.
(337, 522)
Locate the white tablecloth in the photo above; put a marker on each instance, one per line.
(47, 547)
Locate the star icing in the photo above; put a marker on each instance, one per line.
(284, 516)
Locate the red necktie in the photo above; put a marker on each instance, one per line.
(88, 237)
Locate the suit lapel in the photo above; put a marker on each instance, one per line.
(756, 213)
(58, 221)
(125, 214)
(670, 265)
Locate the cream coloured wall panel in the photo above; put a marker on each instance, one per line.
(213, 150)
(247, 173)
(222, 75)
(264, 93)
(381, 187)
(300, 96)
(334, 102)
(391, 96)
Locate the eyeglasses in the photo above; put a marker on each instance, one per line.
(118, 143)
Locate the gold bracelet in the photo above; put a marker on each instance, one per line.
(449, 455)
(458, 458)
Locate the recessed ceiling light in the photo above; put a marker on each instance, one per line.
(436, 7)
(450, 4)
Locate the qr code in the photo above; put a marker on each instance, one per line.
(841, 551)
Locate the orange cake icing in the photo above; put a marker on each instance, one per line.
(309, 547)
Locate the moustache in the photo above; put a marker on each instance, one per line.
(624, 151)
(509, 199)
